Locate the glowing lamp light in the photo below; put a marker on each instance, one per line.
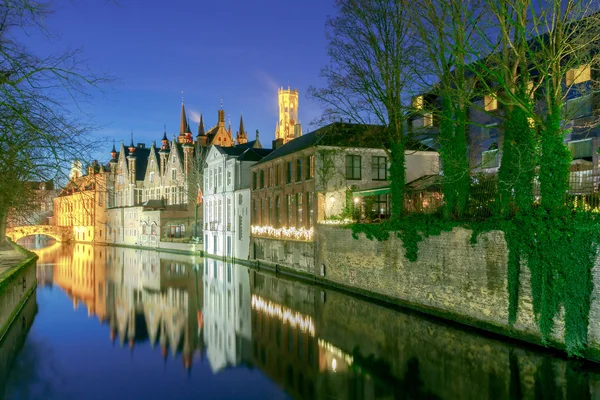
(283, 233)
(334, 365)
(284, 314)
(356, 200)
(331, 199)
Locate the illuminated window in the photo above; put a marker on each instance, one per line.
(427, 120)
(417, 102)
(490, 102)
(581, 74)
(310, 167)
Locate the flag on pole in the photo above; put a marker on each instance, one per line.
(199, 199)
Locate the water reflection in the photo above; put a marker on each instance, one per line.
(310, 343)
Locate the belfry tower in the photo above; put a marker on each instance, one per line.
(288, 127)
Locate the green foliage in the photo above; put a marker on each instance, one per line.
(517, 170)
(555, 160)
(559, 248)
(453, 156)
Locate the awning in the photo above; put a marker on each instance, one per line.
(371, 192)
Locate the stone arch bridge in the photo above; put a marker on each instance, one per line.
(60, 233)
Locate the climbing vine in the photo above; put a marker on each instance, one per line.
(558, 247)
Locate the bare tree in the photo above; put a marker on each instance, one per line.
(39, 135)
(370, 47)
(564, 49)
(446, 32)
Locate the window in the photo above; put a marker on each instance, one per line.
(220, 176)
(417, 102)
(427, 120)
(277, 174)
(255, 213)
(490, 159)
(240, 227)
(379, 168)
(220, 218)
(240, 198)
(271, 177)
(299, 210)
(288, 176)
(309, 209)
(299, 170)
(353, 167)
(268, 212)
(309, 167)
(288, 215)
(173, 174)
(177, 231)
(490, 102)
(581, 149)
(262, 178)
(254, 180)
(228, 178)
(152, 177)
(228, 214)
(581, 74)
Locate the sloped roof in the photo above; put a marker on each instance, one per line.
(253, 154)
(342, 134)
(141, 162)
(251, 144)
(432, 183)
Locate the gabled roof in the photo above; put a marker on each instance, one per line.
(251, 144)
(342, 134)
(141, 163)
(252, 154)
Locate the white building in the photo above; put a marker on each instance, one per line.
(227, 198)
(227, 313)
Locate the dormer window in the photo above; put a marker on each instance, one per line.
(490, 102)
(581, 74)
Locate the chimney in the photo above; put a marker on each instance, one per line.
(277, 143)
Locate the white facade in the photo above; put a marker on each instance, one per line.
(226, 202)
(227, 313)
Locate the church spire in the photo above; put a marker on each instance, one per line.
(183, 124)
(201, 126)
(242, 137)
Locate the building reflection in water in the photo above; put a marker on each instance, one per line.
(140, 295)
(313, 343)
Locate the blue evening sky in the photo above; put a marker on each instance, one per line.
(236, 50)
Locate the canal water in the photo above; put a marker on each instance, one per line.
(117, 323)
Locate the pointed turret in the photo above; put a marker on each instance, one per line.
(184, 127)
(131, 146)
(113, 153)
(201, 126)
(183, 124)
(165, 142)
(242, 137)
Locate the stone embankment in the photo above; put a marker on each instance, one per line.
(451, 278)
(17, 282)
